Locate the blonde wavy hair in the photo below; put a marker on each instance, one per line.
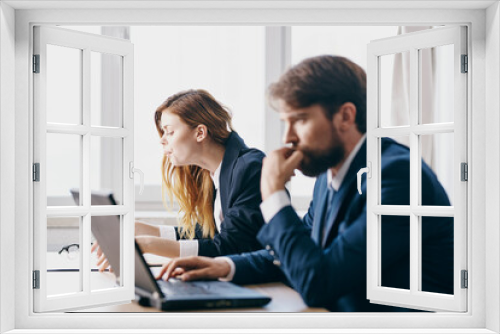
(191, 185)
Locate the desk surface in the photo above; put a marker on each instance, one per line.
(284, 298)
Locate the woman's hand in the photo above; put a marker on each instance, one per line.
(158, 246)
(195, 268)
(102, 261)
(142, 228)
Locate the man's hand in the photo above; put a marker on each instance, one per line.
(195, 268)
(277, 169)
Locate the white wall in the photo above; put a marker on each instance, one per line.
(7, 65)
(492, 163)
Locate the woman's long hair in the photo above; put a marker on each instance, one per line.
(191, 185)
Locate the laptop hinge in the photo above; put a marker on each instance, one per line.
(36, 279)
(464, 279)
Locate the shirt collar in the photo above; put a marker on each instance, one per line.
(216, 176)
(336, 181)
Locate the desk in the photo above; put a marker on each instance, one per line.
(284, 298)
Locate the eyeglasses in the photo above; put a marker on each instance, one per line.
(71, 251)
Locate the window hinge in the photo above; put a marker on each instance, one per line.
(465, 279)
(36, 172)
(36, 63)
(464, 171)
(36, 279)
(465, 64)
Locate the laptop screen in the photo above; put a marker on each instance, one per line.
(105, 229)
(143, 277)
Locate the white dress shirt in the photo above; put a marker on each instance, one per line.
(190, 247)
(278, 200)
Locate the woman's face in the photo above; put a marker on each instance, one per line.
(179, 140)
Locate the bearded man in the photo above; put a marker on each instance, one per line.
(322, 102)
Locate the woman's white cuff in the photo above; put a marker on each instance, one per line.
(167, 232)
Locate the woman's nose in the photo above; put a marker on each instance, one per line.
(163, 139)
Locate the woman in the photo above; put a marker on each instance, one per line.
(213, 176)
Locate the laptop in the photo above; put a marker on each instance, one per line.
(172, 294)
(105, 229)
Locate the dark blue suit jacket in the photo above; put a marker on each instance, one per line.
(330, 271)
(240, 196)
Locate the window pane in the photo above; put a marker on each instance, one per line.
(395, 167)
(437, 254)
(106, 171)
(394, 93)
(63, 168)
(437, 82)
(302, 185)
(346, 41)
(107, 231)
(228, 62)
(106, 89)
(437, 153)
(63, 255)
(64, 89)
(395, 241)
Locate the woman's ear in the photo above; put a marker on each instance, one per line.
(201, 133)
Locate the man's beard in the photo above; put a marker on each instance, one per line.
(316, 162)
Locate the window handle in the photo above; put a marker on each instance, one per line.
(368, 171)
(133, 170)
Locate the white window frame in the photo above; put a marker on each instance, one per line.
(87, 43)
(413, 43)
(483, 123)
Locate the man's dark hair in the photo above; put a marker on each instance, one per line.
(329, 81)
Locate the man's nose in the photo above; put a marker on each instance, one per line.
(289, 135)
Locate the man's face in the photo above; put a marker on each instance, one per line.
(311, 132)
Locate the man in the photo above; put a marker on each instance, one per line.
(322, 102)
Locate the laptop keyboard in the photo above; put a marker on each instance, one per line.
(176, 287)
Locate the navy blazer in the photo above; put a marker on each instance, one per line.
(330, 271)
(240, 196)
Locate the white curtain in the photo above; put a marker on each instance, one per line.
(436, 104)
(401, 93)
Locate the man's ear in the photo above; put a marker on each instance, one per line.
(201, 133)
(346, 116)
